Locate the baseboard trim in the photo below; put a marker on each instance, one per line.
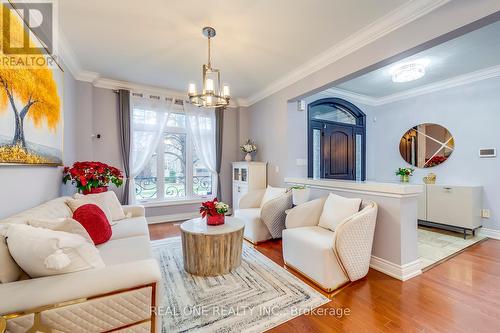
(400, 272)
(172, 217)
(490, 233)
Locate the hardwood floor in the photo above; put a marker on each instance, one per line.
(459, 295)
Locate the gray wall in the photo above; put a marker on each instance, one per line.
(470, 112)
(27, 186)
(267, 117)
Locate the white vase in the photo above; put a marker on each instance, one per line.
(300, 196)
(248, 157)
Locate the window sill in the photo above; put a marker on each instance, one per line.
(178, 202)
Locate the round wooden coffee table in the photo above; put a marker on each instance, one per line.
(212, 250)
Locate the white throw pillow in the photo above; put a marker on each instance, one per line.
(110, 200)
(336, 210)
(9, 270)
(44, 252)
(62, 224)
(74, 204)
(272, 193)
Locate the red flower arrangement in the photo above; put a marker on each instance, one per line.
(214, 211)
(436, 160)
(92, 175)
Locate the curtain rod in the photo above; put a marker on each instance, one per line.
(177, 100)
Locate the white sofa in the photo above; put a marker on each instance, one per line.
(116, 297)
(263, 222)
(329, 258)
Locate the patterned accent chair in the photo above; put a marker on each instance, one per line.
(329, 258)
(263, 220)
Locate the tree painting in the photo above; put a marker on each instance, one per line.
(28, 93)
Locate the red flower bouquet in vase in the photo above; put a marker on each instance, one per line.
(214, 211)
(92, 177)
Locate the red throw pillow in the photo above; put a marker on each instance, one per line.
(93, 219)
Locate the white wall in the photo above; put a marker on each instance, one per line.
(470, 112)
(27, 186)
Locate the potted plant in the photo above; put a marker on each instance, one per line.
(214, 211)
(248, 148)
(405, 174)
(92, 177)
(300, 194)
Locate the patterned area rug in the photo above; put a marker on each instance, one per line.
(435, 245)
(255, 297)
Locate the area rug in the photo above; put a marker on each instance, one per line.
(255, 297)
(435, 245)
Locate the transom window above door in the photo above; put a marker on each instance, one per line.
(332, 112)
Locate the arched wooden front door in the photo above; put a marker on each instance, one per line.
(336, 145)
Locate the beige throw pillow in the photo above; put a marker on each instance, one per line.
(74, 204)
(62, 224)
(44, 252)
(272, 193)
(110, 200)
(336, 210)
(9, 269)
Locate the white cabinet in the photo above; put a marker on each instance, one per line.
(248, 176)
(455, 206)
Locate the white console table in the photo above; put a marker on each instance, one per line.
(451, 206)
(395, 244)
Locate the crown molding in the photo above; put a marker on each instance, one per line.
(242, 102)
(87, 76)
(105, 83)
(456, 81)
(394, 20)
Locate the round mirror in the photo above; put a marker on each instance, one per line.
(426, 145)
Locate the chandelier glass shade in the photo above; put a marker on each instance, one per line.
(213, 93)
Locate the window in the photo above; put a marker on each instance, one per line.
(332, 112)
(174, 171)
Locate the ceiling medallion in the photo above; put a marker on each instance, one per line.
(211, 95)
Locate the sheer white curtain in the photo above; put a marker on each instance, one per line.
(149, 116)
(201, 127)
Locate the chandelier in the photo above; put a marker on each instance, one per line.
(211, 95)
(409, 71)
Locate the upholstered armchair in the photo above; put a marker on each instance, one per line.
(263, 213)
(329, 258)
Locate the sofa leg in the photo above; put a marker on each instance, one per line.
(3, 325)
(38, 326)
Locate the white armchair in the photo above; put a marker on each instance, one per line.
(329, 258)
(263, 221)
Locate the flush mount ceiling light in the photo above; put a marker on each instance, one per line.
(409, 71)
(212, 95)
